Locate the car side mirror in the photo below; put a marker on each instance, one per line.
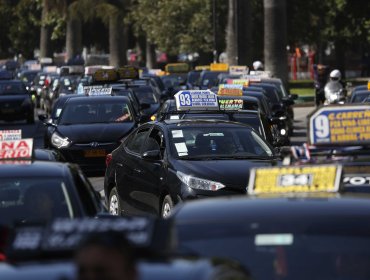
(43, 117)
(152, 155)
(144, 106)
(294, 96)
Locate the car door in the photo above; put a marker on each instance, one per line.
(153, 172)
(127, 171)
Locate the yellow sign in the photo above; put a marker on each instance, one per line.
(128, 72)
(105, 75)
(243, 82)
(230, 90)
(177, 68)
(202, 67)
(368, 85)
(219, 67)
(295, 179)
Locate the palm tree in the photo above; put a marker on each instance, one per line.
(275, 38)
(244, 31)
(45, 31)
(231, 34)
(73, 29)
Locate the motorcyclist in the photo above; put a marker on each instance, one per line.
(335, 89)
(321, 77)
(258, 66)
(336, 76)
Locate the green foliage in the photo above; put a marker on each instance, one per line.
(174, 26)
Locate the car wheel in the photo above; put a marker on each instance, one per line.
(114, 203)
(167, 206)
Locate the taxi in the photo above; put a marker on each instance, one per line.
(52, 250)
(339, 134)
(15, 102)
(292, 225)
(34, 191)
(89, 127)
(165, 162)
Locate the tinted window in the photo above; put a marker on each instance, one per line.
(146, 95)
(12, 88)
(217, 141)
(33, 200)
(135, 143)
(93, 112)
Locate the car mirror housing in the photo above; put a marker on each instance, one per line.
(152, 155)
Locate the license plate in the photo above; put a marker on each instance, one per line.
(95, 153)
(7, 111)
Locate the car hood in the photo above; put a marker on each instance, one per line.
(232, 173)
(85, 133)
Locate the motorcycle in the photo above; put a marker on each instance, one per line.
(335, 93)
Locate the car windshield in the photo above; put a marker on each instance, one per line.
(12, 88)
(28, 76)
(279, 255)
(33, 200)
(172, 81)
(217, 142)
(270, 92)
(193, 77)
(360, 97)
(210, 79)
(94, 112)
(146, 95)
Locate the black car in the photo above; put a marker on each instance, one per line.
(148, 99)
(243, 109)
(163, 163)
(310, 236)
(209, 79)
(39, 191)
(88, 128)
(359, 96)
(15, 102)
(27, 76)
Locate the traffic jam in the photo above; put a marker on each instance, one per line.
(200, 179)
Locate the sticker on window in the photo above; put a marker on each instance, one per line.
(177, 134)
(57, 113)
(273, 239)
(213, 134)
(181, 148)
(175, 117)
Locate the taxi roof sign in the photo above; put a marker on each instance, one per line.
(219, 67)
(243, 82)
(177, 68)
(295, 179)
(97, 90)
(105, 75)
(340, 125)
(202, 67)
(128, 72)
(230, 90)
(8, 135)
(16, 149)
(368, 85)
(238, 70)
(196, 100)
(262, 74)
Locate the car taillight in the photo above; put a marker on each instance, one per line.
(4, 234)
(108, 159)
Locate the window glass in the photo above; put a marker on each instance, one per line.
(135, 143)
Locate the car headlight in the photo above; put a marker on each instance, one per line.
(59, 141)
(282, 131)
(198, 183)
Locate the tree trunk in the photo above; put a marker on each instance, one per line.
(231, 34)
(275, 39)
(45, 31)
(244, 21)
(73, 37)
(340, 57)
(151, 58)
(117, 52)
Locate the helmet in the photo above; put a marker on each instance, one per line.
(335, 75)
(257, 65)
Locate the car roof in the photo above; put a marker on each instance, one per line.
(97, 99)
(195, 122)
(11, 82)
(34, 169)
(359, 92)
(251, 209)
